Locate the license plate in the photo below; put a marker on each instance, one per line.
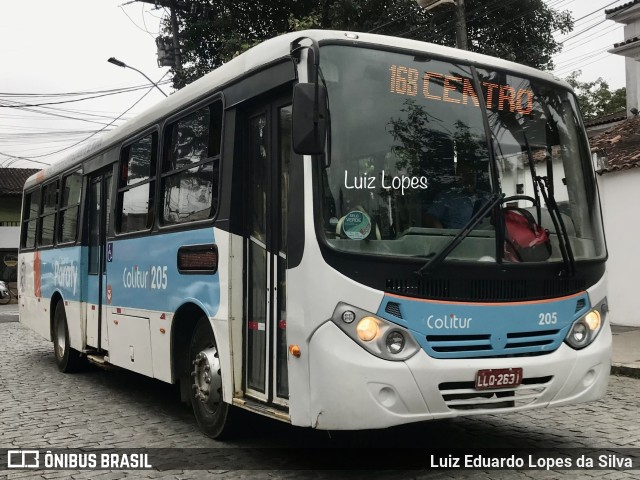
(498, 378)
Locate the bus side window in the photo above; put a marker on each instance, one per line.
(190, 166)
(30, 219)
(137, 184)
(48, 214)
(68, 217)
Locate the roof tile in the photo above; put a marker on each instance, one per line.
(621, 144)
(624, 6)
(627, 41)
(12, 180)
(609, 118)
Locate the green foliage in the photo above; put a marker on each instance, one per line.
(214, 31)
(596, 98)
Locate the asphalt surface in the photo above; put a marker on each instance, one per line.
(9, 313)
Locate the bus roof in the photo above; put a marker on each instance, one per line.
(256, 57)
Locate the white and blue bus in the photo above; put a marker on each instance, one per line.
(336, 230)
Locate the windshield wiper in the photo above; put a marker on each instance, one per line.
(544, 185)
(436, 260)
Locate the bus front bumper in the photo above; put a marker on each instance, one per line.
(352, 389)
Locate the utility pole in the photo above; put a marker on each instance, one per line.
(173, 6)
(461, 22)
(461, 26)
(176, 42)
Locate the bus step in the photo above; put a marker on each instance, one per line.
(262, 409)
(98, 360)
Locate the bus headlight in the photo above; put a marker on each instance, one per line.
(593, 320)
(378, 336)
(367, 329)
(586, 328)
(395, 342)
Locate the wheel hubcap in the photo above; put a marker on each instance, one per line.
(61, 340)
(207, 381)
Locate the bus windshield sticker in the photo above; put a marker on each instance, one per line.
(356, 225)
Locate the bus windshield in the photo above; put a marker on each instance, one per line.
(410, 163)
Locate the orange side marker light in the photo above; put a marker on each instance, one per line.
(294, 350)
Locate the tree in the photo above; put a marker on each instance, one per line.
(214, 31)
(596, 98)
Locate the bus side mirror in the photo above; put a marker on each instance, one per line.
(309, 133)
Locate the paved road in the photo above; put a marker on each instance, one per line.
(42, 408)
(9, 313)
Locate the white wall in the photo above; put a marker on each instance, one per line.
(620, 197)
(632, 67)
(9, 237)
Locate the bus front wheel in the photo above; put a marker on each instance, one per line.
(214, 416)
(67, 359)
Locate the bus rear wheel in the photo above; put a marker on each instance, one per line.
(215, 417)
(67, 359)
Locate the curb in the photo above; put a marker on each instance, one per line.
(625, 371)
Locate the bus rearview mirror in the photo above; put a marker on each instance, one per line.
(309, 130)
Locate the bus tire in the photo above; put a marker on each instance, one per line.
(215, 417)
(67, 359)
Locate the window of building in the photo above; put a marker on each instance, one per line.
(190, 167)
(137, 181)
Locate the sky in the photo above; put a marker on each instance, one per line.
(585, 48)
(53, 47)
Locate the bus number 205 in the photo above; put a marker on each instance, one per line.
(549, 318)
(159, 277)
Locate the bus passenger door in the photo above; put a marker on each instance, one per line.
(267, 171)
(98, 202)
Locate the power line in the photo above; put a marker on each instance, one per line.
(134, 23)
(581, 58)
(23, 106)
(589, 14)
(393, 20)
(71, 94)
(144, 22)
(483, 10)
(17, 158)
(52, 114)
(563, 4)
(593, 36)
(583, 31)
(566, 70)
(70, 101)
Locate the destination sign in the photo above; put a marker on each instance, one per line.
(453, 89)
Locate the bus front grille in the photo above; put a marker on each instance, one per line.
(485, 290)
(463, 395)
(516, 344)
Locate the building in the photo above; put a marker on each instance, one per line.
(617, 161)
(11, 183)
(628, 14)
(599, 125)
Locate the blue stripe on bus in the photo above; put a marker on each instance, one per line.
(467, 330)
(61, 270)
(142, 273)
